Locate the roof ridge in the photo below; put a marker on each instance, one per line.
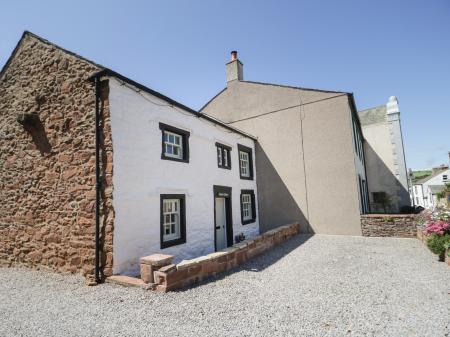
(41, 39)
(373, 108)
(216, 95)
(295, 87)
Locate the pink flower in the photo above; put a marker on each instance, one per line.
(438, 227)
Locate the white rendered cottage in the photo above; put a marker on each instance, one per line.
(184, 183)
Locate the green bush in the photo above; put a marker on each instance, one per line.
(447, 246)
(437, 243)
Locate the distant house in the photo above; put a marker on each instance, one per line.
(309, 154)
(98, 170)
(386, 171)
(424, 192)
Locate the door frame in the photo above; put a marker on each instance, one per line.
(223, 192)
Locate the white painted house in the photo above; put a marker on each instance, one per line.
(424, 192)
(184, 183)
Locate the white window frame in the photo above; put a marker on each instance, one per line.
(226, 153)
(219, 155)
(244, 164)
(247, 213)
(173, 144)
(171, 219)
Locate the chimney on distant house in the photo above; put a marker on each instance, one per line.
(235, 68)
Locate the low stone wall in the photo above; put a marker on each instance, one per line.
(390, 225)
(189, 272)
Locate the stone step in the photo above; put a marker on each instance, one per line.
(129, 281)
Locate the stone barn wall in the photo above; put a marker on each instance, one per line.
(47, 171)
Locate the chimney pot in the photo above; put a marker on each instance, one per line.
(233, 55)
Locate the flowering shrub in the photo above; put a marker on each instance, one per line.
(438, 227)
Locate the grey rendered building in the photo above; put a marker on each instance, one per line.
(385, 157)
(309, 155)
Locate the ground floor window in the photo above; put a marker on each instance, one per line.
(248, 209)
(173, 220)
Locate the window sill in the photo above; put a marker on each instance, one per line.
(167, 244)
(224, 167)
(248, 222)
(164, 157)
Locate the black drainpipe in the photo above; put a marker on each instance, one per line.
(97, 180)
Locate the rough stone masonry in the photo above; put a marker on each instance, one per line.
(47, 168)
(389, 225)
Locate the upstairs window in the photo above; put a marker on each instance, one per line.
(175, 143)
(173, 220)
(248, 209)
(223, 156)
(245, 162)
(444, 177)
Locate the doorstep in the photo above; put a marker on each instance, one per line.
(129, 281)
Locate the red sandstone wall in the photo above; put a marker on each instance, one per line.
(47, 173)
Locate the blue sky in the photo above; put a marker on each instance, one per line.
(374, 49)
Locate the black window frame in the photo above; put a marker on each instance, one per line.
(247, 149)
(185, 140)
(253, 219)
(223, 147)
(182, 239)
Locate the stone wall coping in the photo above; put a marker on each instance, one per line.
(387, 215)
(189, 263)
(157, 259)
(188, 272)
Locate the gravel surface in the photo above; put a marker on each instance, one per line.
(309, 286)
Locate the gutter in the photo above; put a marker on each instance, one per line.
(97, 180)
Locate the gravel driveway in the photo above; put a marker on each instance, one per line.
(309, 286)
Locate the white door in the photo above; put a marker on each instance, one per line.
(221, 224)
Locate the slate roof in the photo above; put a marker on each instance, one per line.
(373, 115)
(436, 188)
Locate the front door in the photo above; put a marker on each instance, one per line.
(223, 227)
(221, 224)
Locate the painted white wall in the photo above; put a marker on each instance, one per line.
(423, 195)
(140, 176)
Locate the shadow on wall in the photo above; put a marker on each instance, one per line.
(381, 179)
(277, 206)
(33, 125)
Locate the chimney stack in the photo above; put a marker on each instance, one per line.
(235, 68)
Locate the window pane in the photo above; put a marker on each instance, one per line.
(225, 157)
(219, 156)
(171, 218)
